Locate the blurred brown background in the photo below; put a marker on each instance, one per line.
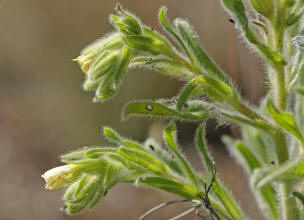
(45, 113)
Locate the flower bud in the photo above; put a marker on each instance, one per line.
(57, 177)
(126, 22)
(89, 55)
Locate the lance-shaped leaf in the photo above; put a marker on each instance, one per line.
(74, 156)
(220, 191)
(190, 40)
(171, 31)
(202, 147)
(97, 152)
(214, 88)
(145, 160)
(271, 55)
(285, 120)
(148, 32)
(131, 167)
(169, 185)
(238, 9)
(260, 144)
(116, 138)
(110, 82)
(189, 90)
(179, 188)
(150, 45)
(170, 139)
(288, 170)
(79, 157)
(163, 65)
(229, 203)
(259, 124)
(150, 108)
(163, 155)
(249, 160)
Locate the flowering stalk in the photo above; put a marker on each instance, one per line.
(271, 149)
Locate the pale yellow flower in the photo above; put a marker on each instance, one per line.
(56, 178)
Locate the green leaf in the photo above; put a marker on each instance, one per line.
(260, 144)
(271, 55)
(148, 32)
(167, 26)
(74, 156)
(238, 9)
(250, 160)
(149, 108)
(186, 93)
(80, 157)
(226, 199)
(169, 185)
(145, 160)
(170, 139)
(259, 124)
(97, 152)
(289, 170)
(190, 40)
(155, 149)
(214, 88)
(148, 44)
(202, 147)
(114, 137)
(285, 120)
(115, 158)
(299, 196)
(163, 65)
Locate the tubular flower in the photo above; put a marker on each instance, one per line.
(57, 177)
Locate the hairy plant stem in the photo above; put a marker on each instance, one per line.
(280, 88)
(245, 110)
(280, 101)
